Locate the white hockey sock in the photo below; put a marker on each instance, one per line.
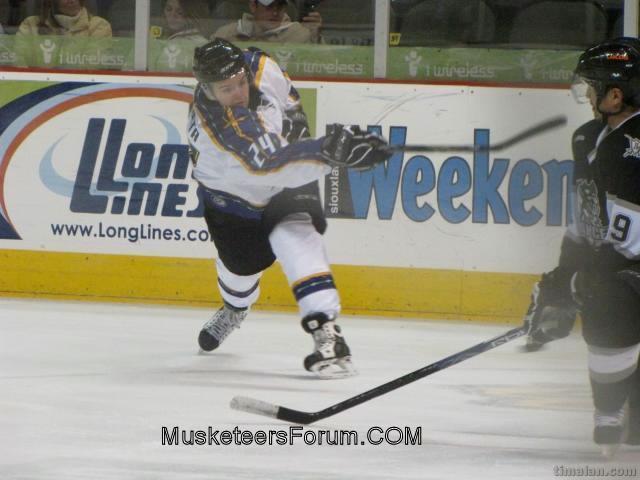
(610, 365)
(240, 291)
(301, 253)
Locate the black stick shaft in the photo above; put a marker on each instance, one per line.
(550, 124)
(296, 416)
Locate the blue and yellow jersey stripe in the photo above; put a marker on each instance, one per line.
(238, 130)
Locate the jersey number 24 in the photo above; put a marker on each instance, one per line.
(262, 149)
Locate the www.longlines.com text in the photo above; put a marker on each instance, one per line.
(133, 234)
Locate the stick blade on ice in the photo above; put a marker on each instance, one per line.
(257, 407)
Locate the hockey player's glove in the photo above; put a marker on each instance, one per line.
(552, 311)
(295, 126)
(351, 147)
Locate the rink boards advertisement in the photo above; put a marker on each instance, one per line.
(95, 171)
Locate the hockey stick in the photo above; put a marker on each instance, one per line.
(250, 405)
(550, 124)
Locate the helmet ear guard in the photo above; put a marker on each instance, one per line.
(207, 88)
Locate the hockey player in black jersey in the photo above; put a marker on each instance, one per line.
(258, 171)
(560, 314)
(599, 264)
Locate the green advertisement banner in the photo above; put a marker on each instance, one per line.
(50, 51)
(482, 64)
(171, 55)
(302, 60)
(418, 63)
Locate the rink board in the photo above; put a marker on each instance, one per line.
(376, 290)
(97, 201)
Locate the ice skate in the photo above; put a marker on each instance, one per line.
(223, 322)
(331, 357)
(608, 432)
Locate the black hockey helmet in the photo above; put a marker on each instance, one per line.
(614, 63)
(217, 60)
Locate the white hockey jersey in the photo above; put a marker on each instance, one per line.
(240, 152)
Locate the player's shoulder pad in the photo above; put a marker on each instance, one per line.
(632, 125)
(631, 132)
(254, 58)
(588, 132)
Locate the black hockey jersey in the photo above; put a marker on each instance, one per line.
(606, 197)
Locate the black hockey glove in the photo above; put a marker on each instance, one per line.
(351, 147)
(295, 126)
(552, 311)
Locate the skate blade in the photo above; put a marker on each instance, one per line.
(335, 369)
(609, 451)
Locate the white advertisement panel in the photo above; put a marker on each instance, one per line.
(101, 168)
(104, 168)
(488, 211)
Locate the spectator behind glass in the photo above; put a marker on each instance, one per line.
(65, 17)
(269, 22)
(184, 20)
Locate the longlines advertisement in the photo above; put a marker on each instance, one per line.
(104, 168)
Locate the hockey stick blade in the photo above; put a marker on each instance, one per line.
(259, 407)
(250, 405)
(549, 124)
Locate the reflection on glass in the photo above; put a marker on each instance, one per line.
(479, 40)
(182, 19)
(65, 17)
(63, 34)
(279, 21)
(66, 34)
(177, 27)
(506, 23)
(344, 46)
(348, 23)
(308, 38)
(522, 41)
(121, 14)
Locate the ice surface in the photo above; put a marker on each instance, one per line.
(85, 390)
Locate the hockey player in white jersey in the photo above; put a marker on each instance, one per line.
(258, 173)
(599, 268)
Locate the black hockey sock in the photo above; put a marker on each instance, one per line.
(610, 397)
